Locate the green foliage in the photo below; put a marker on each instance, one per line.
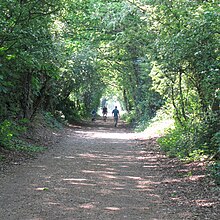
(2, 158)
(198, 155)
(9, 136)
(142, 124)
(29, 57)
(185, 66)
(129, 117)
(191, 141)
(6, 133)
(215, 142)
(10, 130)
(214, 171)
(19, 145)
(170, 143)
(45, 189)
(158, 125)
(52, 121)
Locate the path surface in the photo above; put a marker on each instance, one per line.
(99, 172)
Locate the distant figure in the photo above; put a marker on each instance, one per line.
(104, 112)
(93, 114)
(116, 115)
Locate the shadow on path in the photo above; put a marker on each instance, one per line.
(99, 172)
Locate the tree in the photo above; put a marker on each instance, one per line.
(186, 67)
(27, 54)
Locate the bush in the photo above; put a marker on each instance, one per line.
(129, 117)
(11, 133)
(6, 132)
(23, 146)
(215, 142)
(173, 143)
(214, 170)
(187, 142)
(53, 122)
(10, 129)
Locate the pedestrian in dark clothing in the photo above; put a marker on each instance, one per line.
(116, 115)
(93, 114)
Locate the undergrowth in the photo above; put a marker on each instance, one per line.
(214, 171)
(23, 146)
(11, 133)
(197, 140)
(194, 141)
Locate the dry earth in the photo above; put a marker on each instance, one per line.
(99, 172)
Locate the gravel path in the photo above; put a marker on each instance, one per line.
(99, 172)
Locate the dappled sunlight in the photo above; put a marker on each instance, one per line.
(107, 157)
(98, 172)
(114, 180)
(204, 203)
(79, 182)
(106, 191)
(103, 130)
(108, 181)
(74, 179)
(146, 183)
(196, 177)
(41, 188)
(87, 206)
(113, 188)
(112, 208)
(108, 176)
(150, 166)
(89, 155)
(171, 180)
(106, 135)
(53, 203)
(133, 177)
(156, 129)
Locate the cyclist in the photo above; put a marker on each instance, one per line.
(104, 112)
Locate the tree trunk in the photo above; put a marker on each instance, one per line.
(26, 101)
(181, 95)
(40, 97)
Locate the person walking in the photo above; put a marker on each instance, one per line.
(93, 115)
(116, 115)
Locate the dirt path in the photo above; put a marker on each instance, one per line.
(99, 172)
